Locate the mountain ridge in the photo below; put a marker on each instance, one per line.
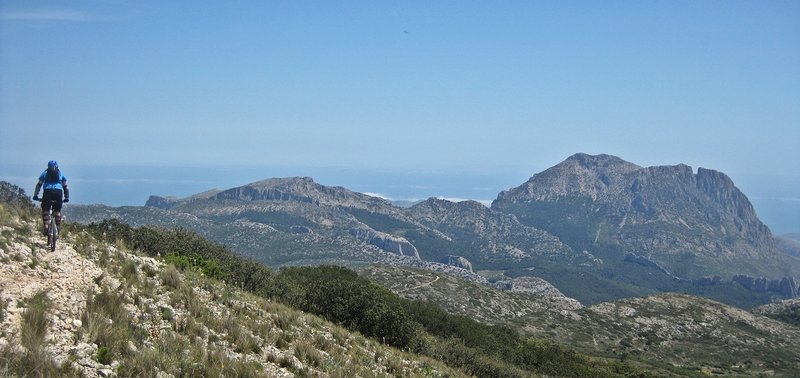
(589, 221)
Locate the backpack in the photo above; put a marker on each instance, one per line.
(53, 175)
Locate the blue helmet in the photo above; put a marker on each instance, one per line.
(52, 164)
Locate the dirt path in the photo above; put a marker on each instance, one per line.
(63, 274)
(419, 286)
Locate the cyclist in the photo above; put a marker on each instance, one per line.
(55, 193)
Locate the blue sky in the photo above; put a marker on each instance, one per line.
(399, 86)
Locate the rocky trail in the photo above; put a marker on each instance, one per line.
(66, 277)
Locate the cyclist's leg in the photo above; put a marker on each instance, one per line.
(58, 203)
(46, 205)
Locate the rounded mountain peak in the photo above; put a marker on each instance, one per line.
(579, 175)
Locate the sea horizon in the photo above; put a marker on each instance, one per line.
(776, 198)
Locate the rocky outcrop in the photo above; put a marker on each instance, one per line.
(164, 203)
(540, 288)
(787, 311)
(787, 286)
(457, 261)
(660, 212)
(387, 242)
(707, 281)
(644, 261)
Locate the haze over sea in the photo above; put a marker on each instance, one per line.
(776, 198)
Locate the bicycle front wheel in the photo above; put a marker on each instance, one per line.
(52, 235)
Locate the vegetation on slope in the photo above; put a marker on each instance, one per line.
(98, 309)
(669, 333)
(343, 297)
(787, 311)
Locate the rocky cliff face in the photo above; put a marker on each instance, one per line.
(660, 213)
(458, 262)
(279, 220)
(386, 242)
(499, 235)
(787, 286)
(161, 202)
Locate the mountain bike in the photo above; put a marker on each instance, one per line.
(52, 230)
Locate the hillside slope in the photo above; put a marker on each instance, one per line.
(672, 333)
(92, 309)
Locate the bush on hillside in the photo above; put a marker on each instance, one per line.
(188, 249)
(340, 295)
(343, 297)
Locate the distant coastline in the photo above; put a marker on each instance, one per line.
(776, 198)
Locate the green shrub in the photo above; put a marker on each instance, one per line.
(104, 355)
(180, 262)
(166, 313)
(341, 296)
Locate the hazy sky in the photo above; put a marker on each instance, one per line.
(399, 85)
(403, 99)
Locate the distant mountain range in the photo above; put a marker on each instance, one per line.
(596, 227)
(163, 303)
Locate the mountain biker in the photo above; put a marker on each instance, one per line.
(55, 185)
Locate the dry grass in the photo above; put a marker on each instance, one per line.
(146, 319)
(30, 358)
(35, 321)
